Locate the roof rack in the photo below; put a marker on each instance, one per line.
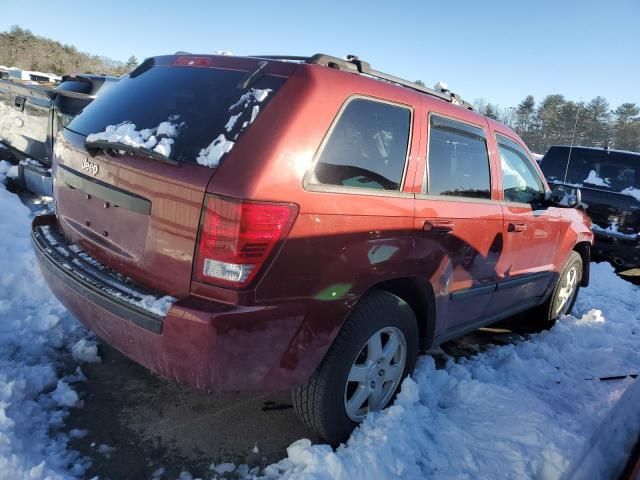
(355, 65)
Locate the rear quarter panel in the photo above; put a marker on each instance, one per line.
(342, 242)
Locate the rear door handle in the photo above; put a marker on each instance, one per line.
(517, 227)
(438, 226)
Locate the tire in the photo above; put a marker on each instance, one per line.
(558, 304)
(322, 404)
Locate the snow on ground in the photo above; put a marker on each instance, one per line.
(36, 334)
(516, 411)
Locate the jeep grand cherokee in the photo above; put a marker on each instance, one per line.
(307, 223)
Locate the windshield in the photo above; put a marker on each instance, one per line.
(603, 169)
(187, 114)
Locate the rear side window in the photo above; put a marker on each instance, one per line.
(200, 105)
(520, 180)
(458, 160)
(367, 147)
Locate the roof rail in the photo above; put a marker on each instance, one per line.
(355, 65)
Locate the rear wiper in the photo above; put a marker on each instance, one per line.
(251, 77)
(94, 146)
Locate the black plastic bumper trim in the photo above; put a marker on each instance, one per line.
(473, 291)
(523, 280)
(121, 309)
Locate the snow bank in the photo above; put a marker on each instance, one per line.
(35, 334)
(85, 351)
(7, 170)
(520, 411)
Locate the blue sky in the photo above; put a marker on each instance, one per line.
(497, 50)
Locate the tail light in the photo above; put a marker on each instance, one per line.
(236, 238)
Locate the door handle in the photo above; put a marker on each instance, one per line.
(517, 227)
(438, 226)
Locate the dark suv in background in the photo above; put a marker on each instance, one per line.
(609, 181)
(240, 223)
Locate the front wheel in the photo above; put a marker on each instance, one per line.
(375, 350)
(564, 294)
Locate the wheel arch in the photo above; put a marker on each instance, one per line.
(584, 249)
(420, 296)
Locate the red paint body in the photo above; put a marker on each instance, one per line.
(342, 243)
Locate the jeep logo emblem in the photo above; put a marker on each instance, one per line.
(90, 167)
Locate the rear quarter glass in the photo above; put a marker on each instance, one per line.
(202, 103)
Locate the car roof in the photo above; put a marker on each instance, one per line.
(596, 149)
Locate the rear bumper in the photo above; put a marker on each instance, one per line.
(205, 344)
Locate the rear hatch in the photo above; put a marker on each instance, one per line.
(610, 184)
(132, 169)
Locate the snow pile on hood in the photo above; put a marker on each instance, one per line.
(594, 179)
(634, 192)
(520, 411)
(148, 138)
(36, 332)
(246, 106)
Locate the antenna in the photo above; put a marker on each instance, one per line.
(573, 138)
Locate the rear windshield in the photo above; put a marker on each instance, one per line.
(593, 168)
(188, 114)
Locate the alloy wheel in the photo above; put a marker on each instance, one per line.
(567, 290)
(375, 373)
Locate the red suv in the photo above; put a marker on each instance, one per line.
(239, 223)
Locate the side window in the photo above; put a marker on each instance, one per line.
(458, 160)
(367, 147)
(520, 181)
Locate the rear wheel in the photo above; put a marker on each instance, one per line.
(375, 350)
(564, 294)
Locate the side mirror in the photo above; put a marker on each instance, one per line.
(567, 196)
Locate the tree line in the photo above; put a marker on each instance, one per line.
(554, 120)
(21, 48)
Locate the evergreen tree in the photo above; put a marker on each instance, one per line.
(597, 118)
(491, 111)
(571, 124)
(627, 127)
(548, 121)
(132, 62)
(524, 114)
